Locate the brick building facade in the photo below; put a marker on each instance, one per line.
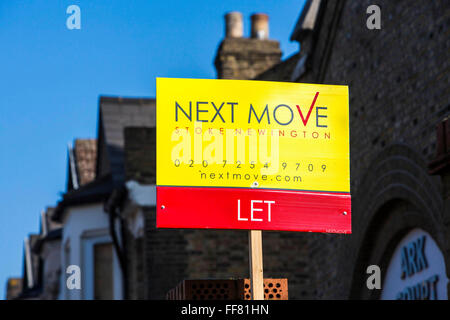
(398, 78)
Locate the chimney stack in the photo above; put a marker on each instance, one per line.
(260, 26)
(234, 27)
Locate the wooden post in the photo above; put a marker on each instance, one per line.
(256, 264)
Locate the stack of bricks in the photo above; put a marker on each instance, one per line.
(239, 289)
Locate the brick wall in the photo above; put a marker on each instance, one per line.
(399, 87)
(398, 76)
(245, 58)
(162, 258)
(140, 154)
(140, 166)
(165, 259)
(172, 255)
(136, 273)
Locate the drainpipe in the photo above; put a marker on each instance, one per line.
(113, 210)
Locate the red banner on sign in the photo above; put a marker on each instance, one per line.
(253, 209)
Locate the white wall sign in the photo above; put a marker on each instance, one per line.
(416, 270)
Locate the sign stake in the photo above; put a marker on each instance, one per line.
(256, 264)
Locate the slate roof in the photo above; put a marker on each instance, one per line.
(55, 234)
(50, 229)
(281, 71)
(32, 264)
(34, 238)
(46, 218)
(116, 113)
(307, 20)
(95, 191)
(306, 31)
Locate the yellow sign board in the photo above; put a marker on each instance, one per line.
(241, 133)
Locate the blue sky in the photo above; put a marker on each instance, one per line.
(51, 78)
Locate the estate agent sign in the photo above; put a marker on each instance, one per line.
(256, 155)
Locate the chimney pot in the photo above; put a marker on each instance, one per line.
(260, 26)
(234, 27)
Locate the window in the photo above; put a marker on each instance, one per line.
(103, 271)
(102, 278)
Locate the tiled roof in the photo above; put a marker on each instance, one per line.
(116, 114)
(85, 153)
